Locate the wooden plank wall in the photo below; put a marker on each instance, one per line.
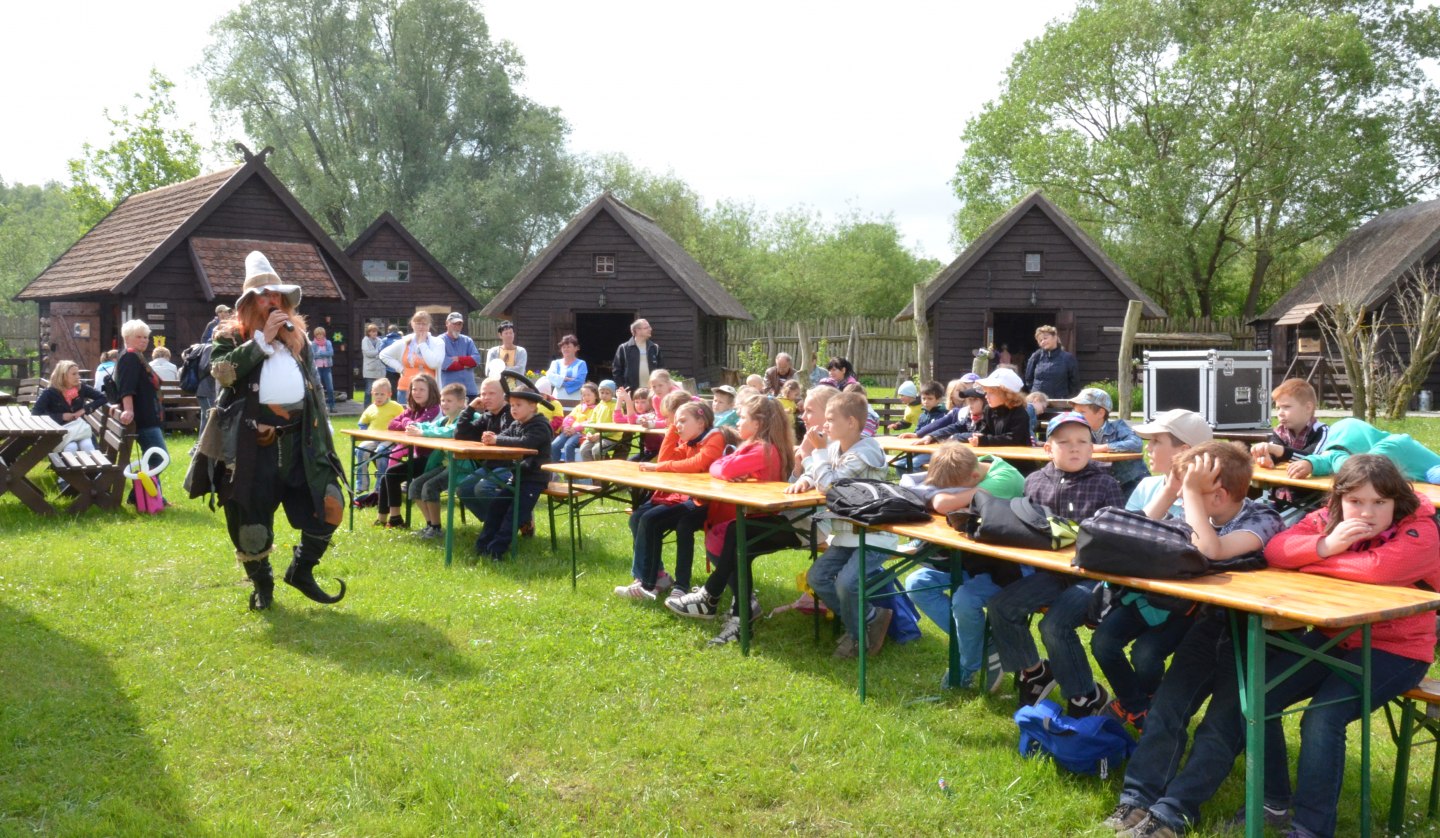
(886, 347)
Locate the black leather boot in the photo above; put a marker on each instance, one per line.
(300, 574)
(264, 581)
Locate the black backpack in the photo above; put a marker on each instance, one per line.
(875, 502)
(111, 388)
(190, 373)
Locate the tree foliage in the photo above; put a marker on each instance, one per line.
(146, 151)
(37, 224)
(1212, 143)
(400, 105)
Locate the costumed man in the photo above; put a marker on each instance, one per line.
(277, 445)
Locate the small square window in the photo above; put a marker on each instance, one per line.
(380, 270)
(604, 263)
(1032, 262)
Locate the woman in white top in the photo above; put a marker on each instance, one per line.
(416, 353)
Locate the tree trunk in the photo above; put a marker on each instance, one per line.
(922, 334)
(1125, 376)
(1263, 258)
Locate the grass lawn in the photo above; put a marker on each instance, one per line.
(140, 697)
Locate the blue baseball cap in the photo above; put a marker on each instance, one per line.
(1067, 418)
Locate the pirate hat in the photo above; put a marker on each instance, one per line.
(515, 384)
(260, 278)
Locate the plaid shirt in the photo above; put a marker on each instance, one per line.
(1074, 495)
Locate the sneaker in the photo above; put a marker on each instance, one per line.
(676, 592)
(729, 633)
(431, 531)
(527, 529)
(1276, 817)
(1117, 711)
(993, 678)
(697, 604)
(755, 612)
(1035, 686)
(1125, 817)
(1089, 704)
(848, 647)
(1151, 827)
(664, 582)
(876, 629)
(634, 590)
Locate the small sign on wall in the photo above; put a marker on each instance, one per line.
(81, 330)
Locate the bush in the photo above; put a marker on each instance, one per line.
(753, 361)
(1137, 395)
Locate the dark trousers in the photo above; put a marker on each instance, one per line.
(498, 532)
(648, 525)
(250, 514)
(727, 566)
(1135, 678)
(390, 495)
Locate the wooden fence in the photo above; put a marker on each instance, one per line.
(883, 347)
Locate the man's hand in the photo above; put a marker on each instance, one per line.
(488, 438)
(274, 323)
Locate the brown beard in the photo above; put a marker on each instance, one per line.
(250, 317)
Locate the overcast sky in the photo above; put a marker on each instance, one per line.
(837, 106)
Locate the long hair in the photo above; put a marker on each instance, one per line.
(702, 412)
(432, 393)
(1380, 473)
(774, 428)
(61, 373)
(250, 317)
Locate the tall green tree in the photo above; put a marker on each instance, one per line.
(400, 105)
(37, 224)
(1212, 143)
(147, 150)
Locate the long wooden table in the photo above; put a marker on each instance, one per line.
(621, 428)
(1269, 600)
(749, 498)
(25, 441)
(1278, 477)
(911, 447)
(454, 449)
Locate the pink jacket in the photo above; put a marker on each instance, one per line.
(1407, 553)
(405, 420)
(751, 461)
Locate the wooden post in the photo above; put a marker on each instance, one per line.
(803, 357)
(852, 351)
(922, 333)
(1125, 374)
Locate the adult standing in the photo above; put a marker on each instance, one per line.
(636, 357)
(415, 354)
(205, 390)
(278, 433)
(324, 353)
(139, 388)
(506, 356)
(461, 356)
(1051, 370)
(568, 372)
(371, 367)
(783, 371)
(222, 311)
(391, 336)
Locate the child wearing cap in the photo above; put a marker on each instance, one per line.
(1112, 436)
(909, 395)
(597, 444)
(1004, 421)
(723, 405)
(1075, 487)
(526, 428)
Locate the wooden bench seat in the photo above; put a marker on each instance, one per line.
(98, 476)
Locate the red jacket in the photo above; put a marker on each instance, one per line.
(686, 457)
(1407, 553)
(751, 461)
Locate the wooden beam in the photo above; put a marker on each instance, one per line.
(1125, 376)
(922, 334)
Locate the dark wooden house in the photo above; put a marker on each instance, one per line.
(169, 256)
(1034, 266)
(611, 265)
(404, 277)
(1365, 268)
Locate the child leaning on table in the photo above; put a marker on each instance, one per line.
(955, 474)
(1005, 421)
(381, 412)
(1356, 436)
(426, 488)
(764, 455)
(1296, 434)
(1074, 487)
(835, 577)
(691, 446)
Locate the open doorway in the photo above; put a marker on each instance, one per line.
(1015, 331)
(600, 333)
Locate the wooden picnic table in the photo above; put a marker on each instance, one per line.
(621, 428)
(6, 398)
(1005, 452)
(748, 497)
(25, 441)
(1277, 477)
(454, 449)
(1268, 600)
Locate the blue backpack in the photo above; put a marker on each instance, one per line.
(1091, 745)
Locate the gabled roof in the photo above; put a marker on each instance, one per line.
(388, 220)
(1368, 263)
(129, 242)
(943, 281)
(680, 266)
(220, 264)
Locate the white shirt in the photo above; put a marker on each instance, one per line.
(281, 381)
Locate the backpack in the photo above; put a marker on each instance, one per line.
(1092, 745)
(190, 376)
(110, 388)
(874, 502)
(1126, 543)
(1013, 522)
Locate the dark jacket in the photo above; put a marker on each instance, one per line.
(1074, 495)
(472, 424)
(626, 369)
(51, 402)
(1003, 426)
(1055, 373)
(532, 433)
(134, 378)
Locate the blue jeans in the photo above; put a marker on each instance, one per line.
(365, 385)
(648, 525)
(934, 602)
(478, 488)
(1069, 604)
(835, 579)
(562, 448)
(327, 380)
(968, 609)
(498, 531)
(1135, 678)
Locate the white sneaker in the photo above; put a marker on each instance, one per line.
(664, 582)
(634, 590)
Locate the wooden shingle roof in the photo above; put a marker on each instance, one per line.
(388, 220)
(702, 288)
(943, 281)
(221, 266)
(1369, 261)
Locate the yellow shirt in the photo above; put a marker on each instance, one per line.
(378, 417)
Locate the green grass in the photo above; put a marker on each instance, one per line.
(138, 696)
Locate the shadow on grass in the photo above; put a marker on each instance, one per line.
(75, 758)
(360, 644)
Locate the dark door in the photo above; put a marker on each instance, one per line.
(1015, 331)
(600, 333)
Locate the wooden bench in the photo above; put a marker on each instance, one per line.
(1418, 708)
(29, 391)
(97, 477)
(182, 412)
